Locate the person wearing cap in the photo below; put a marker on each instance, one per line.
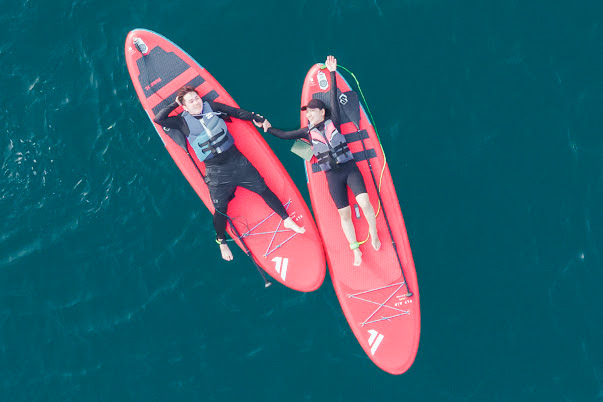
(336, 160)
(201, 126)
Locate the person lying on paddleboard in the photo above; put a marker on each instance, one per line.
(336, 160)
(226, 168)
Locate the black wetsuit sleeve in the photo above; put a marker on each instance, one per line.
(235, 112)
(164, 120)
(335, 115)
(176, 125)
(289, 135)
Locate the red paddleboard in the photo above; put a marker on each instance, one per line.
(374, 296)
(295, 260)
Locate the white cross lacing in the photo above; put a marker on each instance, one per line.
(381, 305)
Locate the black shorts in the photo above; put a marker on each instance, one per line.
(222, 180)
(347, 174)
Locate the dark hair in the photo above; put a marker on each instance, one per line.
(183, 91)
(318, 104)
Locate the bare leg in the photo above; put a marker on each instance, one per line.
(345, 214)
(289, 224)
(369, 213)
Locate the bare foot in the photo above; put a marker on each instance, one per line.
(375, 241)
(357, 257)
(226, 253)
(289, 224)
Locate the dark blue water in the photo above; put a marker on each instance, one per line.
(111, 287)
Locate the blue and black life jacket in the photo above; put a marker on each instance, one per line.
(208, 135)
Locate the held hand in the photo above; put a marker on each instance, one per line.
(257, 123)
(331, 63)
(266, 125)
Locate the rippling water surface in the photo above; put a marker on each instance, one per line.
(111, 287)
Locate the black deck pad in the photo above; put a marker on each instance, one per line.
(350, 106)
(159, 68)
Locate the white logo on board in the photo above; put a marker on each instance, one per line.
(322, 80)
(374, 340)
(281, 266)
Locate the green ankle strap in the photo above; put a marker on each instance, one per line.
(354, 246)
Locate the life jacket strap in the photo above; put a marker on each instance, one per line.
(340, 149)
(213, 143)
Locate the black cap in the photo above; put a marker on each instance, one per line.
(315, 104)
